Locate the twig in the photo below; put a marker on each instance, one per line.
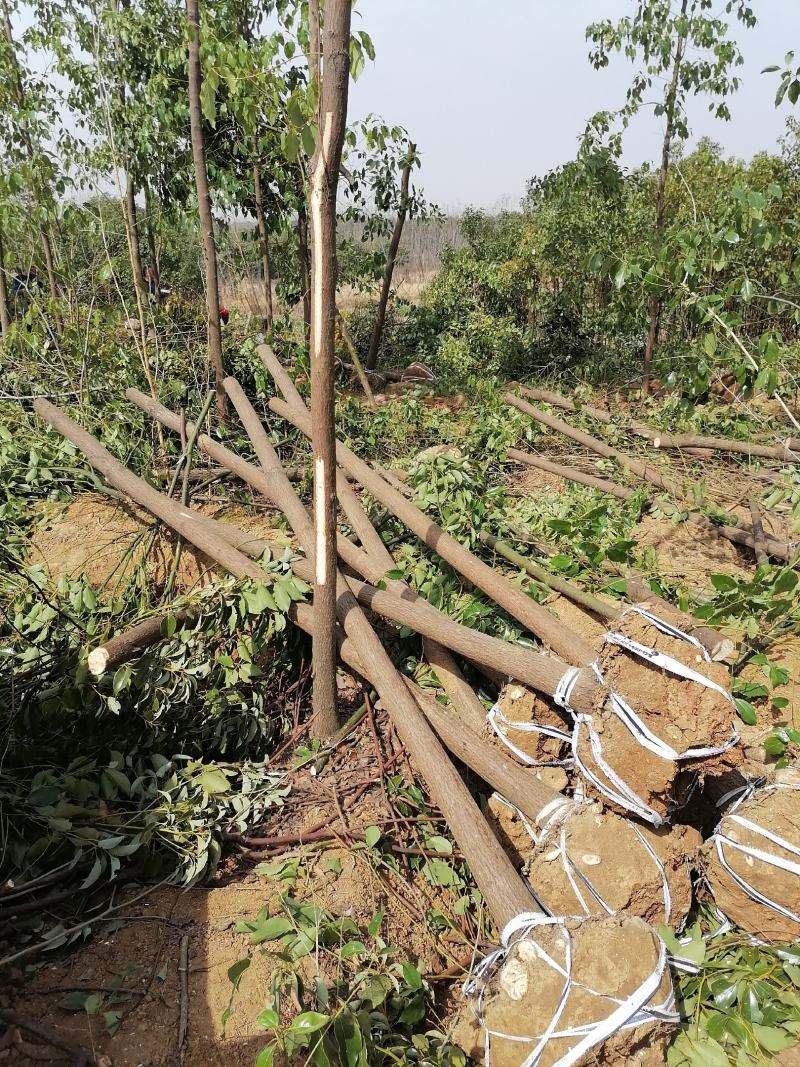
(183, 970)
(80, 1056)
(758, 531)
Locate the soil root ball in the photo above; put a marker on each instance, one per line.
(669, 707)
(752, 863)
(572, 991)
(531, 727)
(594, 862)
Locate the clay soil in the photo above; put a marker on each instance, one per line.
(106, 541)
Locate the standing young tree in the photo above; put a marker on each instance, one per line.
(391, 257)
(323, 188)
(5, 311)
(688, 51)
(27, 119)
(204, 205)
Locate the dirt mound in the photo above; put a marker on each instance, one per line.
(108, 541)
(609, 958)
(688, 554)
(775, 811)
(534, 481)
(585, 625)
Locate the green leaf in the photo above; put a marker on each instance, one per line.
(309, 1022)
(723, 583)
(74, 1000)
(746, 712)
(236, 970)
(266, 1055)
(412, 977)
(212, 780)
(372, 836)
(774, 746)
(786, 581)
(271, 929)
(269, 1019)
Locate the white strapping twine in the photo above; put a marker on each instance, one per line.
(723, 841)
(611, 785)
(633, 1011)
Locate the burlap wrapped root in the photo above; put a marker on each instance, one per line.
(752, 863)
(577, 991)
(640, 766)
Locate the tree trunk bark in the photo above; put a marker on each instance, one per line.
(263, 243)
(303, 253)
(204, 207)
(152, 251)
(655, 301)
(5, 309)
(323, 186)
(132, 226)
(391, 259)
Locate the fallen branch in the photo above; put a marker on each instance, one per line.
(79, 1057)
(778, 549)
(758, 531)
(571, 474)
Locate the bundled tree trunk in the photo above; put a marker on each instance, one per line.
(204, 205)
(391, 259)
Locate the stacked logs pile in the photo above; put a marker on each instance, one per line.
(644, 717)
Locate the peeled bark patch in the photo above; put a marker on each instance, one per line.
(738, 878)
(594, 860)
(527, 997)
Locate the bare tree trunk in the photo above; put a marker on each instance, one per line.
(323, 186)
(152, 251)
(305, 259)
(131, 225)
(263, 241)
(204, 206)
(5, 310)
(655, 301)
(391, 258)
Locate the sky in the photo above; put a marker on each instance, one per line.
(496, 91)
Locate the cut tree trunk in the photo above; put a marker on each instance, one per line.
(505, 893)
(571, 474)
(204, 206)
(778, 549)
(536, 618)
(688, 442)
(391, 259)
(134, 246)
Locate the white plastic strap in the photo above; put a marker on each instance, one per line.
(635, 1010)
(722, 840)
(501, 724)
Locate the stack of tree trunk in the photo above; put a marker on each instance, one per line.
(584, 681)
(646, 472)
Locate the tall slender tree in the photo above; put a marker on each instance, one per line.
(391, 258)
(689, 50)
(323, 188)
(204, 206)
(5, 311)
